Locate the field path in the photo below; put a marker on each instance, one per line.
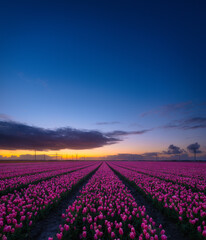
(171, 229)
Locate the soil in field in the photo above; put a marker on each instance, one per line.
(172, 231)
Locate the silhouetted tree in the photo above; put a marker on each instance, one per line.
(194, 148)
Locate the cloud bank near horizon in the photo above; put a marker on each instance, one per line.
(20, 136)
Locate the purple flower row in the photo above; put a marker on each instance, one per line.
(105, 209)
(189, 206)
(193, 179)
(21, 169)
(12, 183)
(20, 209)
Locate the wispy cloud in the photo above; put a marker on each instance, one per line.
(107, 123)
(169, 108)
(119, 133)
(5, 117)
(193, 123)
(187, 124)
(20, 136)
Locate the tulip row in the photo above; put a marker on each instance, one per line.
(8, 185)
(183, 169)
(195, 183)
(21, 169)
(18, 211)
(188, 207)
(105, 209)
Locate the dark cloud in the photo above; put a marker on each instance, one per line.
(119, 133)
(187, 124)
(172, 149)
(107, 123)
(20, 136)
(194, 148)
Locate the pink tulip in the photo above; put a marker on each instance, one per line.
(112, 234)
(163, 237)
(59, 236)
(132, 235)
(84, 234)
(66, 227)
(121, 231)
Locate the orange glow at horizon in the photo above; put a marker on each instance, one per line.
(69, 153)
(123, 147)
(73, 154)
(61, 153)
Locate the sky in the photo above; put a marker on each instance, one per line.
(102, 78)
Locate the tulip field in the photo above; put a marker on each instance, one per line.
(20, 209)
(180, 194)
(104, 207)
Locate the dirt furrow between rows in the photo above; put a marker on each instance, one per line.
(49, 225)
(171, 228)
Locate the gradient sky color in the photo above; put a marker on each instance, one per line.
(106, 66)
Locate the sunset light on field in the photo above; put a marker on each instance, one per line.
(103, 120)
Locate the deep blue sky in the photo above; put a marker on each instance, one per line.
(78, 63)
